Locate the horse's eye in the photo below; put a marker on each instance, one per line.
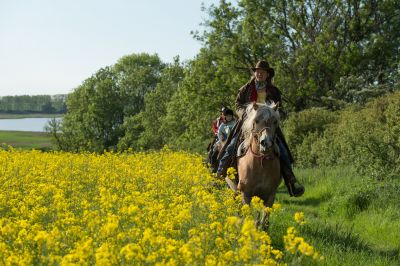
(256, 121)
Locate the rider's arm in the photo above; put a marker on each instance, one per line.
(241, 101)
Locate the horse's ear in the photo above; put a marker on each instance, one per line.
(255, 106)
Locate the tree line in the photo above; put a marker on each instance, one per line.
(326, 54)
(24, 104)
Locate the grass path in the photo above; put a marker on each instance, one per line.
(351, 220)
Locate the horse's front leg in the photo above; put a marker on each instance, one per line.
(264, 222)
(268, 202)
(246, 198)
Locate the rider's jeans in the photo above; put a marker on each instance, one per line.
(284, 155)
(228, 153)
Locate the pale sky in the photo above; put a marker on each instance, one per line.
(51, 46)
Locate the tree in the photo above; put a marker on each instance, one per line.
(137, 74)
(53, 127)
(97, 109)
(145, 129)
(311, 44)
(33, 104)
(95, 114)
(197, 101)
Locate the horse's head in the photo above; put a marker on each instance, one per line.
(261, 124)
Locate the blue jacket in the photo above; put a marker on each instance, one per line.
(224, 129)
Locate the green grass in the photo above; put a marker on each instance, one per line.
(350, 219)
(25, 140)
(17, 116)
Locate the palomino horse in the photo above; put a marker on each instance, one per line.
(259, 168)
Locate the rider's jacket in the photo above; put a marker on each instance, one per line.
(224, 129)
(248, 93)
(216, 123)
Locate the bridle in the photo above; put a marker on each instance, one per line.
(261, 156)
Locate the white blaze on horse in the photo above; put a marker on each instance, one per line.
(259, 169)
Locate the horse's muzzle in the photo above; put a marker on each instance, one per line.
(266, 144)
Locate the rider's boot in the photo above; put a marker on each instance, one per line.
(294, 187)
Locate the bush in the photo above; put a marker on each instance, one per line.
(303, 129)
(369, 137)
(301, 124)
(366, 137)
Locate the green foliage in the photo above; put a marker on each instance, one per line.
(98, 108)
(298, 39)
(46, 104)
(197, 101)
(311, 44)
(327, 55)
(53, 127)
(302, 129)
(377, 137)
(145, 130)
(348, 218)
(136, 75)
(367, 137)
(133, 128)
(95, 114)
(314, 120)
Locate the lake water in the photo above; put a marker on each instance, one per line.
(24, 124)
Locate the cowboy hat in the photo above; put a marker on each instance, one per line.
(264, 66)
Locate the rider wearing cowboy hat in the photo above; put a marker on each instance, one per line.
(260, 89)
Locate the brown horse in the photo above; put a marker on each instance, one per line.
(259, 168)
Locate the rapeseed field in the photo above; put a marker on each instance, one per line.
(154, 208)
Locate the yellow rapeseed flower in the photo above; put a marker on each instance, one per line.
(231, 173)
(299, 218)
(158, 208)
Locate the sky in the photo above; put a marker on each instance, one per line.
(51, 46)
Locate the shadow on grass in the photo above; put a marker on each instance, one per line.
(345, 239)
(304, 200)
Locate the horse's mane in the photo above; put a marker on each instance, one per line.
(264, 111)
